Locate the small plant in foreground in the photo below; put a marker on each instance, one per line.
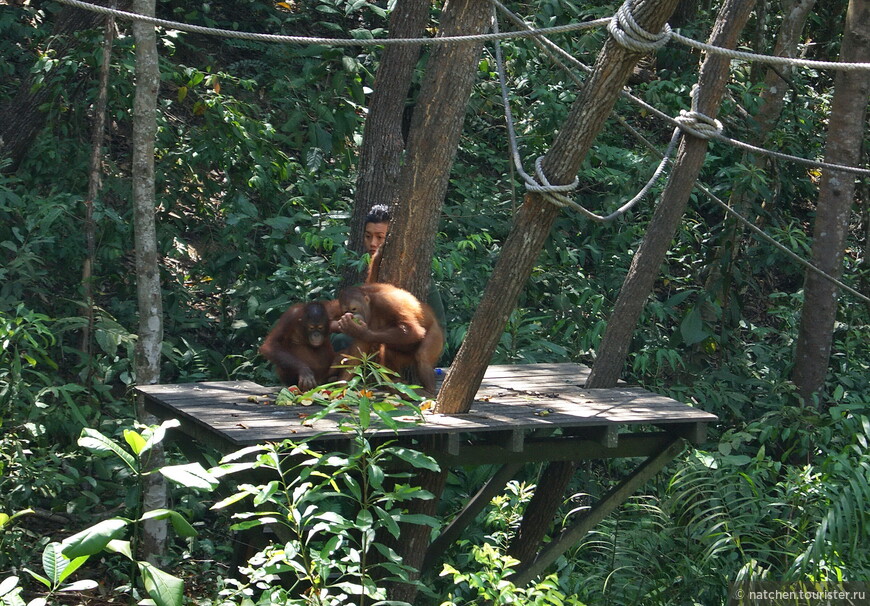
(333, 513)
(491, 583)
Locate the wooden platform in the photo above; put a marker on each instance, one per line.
(521, 414)
(516, 408)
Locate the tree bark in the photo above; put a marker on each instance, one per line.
(22, 118)
(149, 296)
(433, 138)
(94, 185)
(381, 152)
(536, 216)
(836, 194)
(432, 142)
(794, 17)
(647, 261)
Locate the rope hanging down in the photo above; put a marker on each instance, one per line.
(629, 34)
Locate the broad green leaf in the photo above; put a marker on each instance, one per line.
(122, 547)
(388, 520)
(365, 410)
(330, 547)
(233, 456)
(155, 435)
(57, 566)
(38, 577)
(692, 327)
(415, 458)
(192, 475)
(419, 518)
(83, 585)
(266, 493)
(95, 441)
(376, 476)
(179, 523)
(8, 584)
(135, 440)
(231, 500)
(230, 468)
(164, 589)
(94, 539)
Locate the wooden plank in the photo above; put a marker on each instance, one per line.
(517, 399)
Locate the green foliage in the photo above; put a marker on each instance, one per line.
(107, 536)
(336, 513)
(490, 584)
(256, 168)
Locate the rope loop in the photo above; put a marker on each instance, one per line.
(552, 193)
(698, 124)
(626, 31)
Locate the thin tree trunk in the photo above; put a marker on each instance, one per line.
(794, 17)
(94, 185)
(381, 152)
(536, 215)
(432, 142)
(150, 302)
(646, 264)
(836, 195)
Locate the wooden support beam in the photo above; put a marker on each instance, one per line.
(480, 500)
(696, 433)
(559, 448)
(609, 502)
(607, 435)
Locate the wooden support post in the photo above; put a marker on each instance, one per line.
(480, 500)
(599, 511)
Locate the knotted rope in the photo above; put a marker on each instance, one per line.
(626, 31)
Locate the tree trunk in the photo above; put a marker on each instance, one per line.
(836, 194)
(776, 84)
(407, 254)
(548, 497)
(381, 152)
(536, 215)
(148, 290)
(413, 539)
(94, 185)
(432, 142)
(647, 261)
(22, 118)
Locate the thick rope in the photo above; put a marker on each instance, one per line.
(305, 40)
(626, 31)
(623, 26)
(770, 59)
